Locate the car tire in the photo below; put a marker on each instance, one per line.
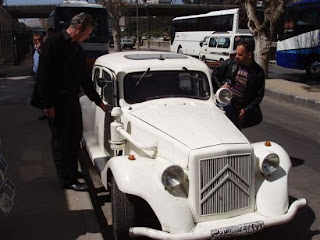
(203, 59)
(123, 212)
(180, 50)
(313, 69)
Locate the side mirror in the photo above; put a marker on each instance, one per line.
(102, 82)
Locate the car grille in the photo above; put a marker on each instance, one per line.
(224, 184)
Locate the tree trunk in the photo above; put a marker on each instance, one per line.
(261, 53)
(116, 32)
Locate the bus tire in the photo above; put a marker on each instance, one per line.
(180, 50)
(313, 68)
(123, 212)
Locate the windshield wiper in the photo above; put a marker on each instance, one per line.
(187, 70)
(142, 76)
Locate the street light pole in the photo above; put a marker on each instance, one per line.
(137, 16)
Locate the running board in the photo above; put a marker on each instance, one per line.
(100, 163)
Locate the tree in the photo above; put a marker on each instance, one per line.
(117, 9)
(263, 30)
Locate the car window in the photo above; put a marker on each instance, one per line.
(213, 42)
(96, 76)
(223, 42)
(140, 87)
(108, 89)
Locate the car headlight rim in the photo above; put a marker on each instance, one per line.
(224, 96)
(172, 176)
(269, 164)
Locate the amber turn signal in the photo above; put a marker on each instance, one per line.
(132, 157)
(267, 143)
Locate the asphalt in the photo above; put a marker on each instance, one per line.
(42, 210)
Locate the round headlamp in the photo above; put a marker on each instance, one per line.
(269, 164)
(224, 96)
(172, 176)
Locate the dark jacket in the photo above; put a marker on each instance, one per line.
(226, 74)
(62, 71)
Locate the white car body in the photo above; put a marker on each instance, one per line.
(223, 192)
(221, 46)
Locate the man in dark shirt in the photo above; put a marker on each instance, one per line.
(61, 73)
(245, 78)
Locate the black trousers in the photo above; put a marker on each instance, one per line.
(66, 131)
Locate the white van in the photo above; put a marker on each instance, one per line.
(221, 46)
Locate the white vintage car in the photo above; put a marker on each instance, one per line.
(168, 149)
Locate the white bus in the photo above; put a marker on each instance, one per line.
(298, 46)
(188, 31)
(97, 44)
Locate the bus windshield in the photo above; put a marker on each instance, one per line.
(100, 31)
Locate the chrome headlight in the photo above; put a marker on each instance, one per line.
(269, 164)
(172, 176)
(224, 96)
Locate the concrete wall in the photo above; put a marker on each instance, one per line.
(6, 39)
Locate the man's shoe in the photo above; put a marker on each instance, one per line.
(81, 174)
(77, 186)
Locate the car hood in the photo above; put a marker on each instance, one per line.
(194, 123)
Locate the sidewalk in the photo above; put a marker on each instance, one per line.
(300, 94)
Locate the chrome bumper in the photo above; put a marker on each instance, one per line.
(203, 230)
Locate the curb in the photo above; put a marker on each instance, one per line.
(293, 99)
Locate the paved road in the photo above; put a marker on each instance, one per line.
(41, 210)
(298, 131)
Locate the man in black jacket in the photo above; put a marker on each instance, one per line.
(62, 71)
(245, 78)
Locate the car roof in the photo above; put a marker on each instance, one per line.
(136, 61)
(241, 32)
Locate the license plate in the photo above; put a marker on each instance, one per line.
(238, 230)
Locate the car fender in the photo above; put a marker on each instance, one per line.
(142, 177)
(272, 191)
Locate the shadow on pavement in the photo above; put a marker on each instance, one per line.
(41, 210)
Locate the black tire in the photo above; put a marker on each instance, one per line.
(123, 212)
(204, 59)
(313, 69)
(180, 50)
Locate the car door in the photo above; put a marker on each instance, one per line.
(102, 120)
(109, 98)
(223, 48)
(88, 109)
(210, 54)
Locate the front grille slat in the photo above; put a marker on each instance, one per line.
(225, 184)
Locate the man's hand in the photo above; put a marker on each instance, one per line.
(50, 113)
(242, 115)
(226, 86)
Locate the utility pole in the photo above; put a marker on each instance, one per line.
(137, 17)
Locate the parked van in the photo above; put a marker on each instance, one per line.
(221, 46)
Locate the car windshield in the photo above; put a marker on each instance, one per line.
(143, 86)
